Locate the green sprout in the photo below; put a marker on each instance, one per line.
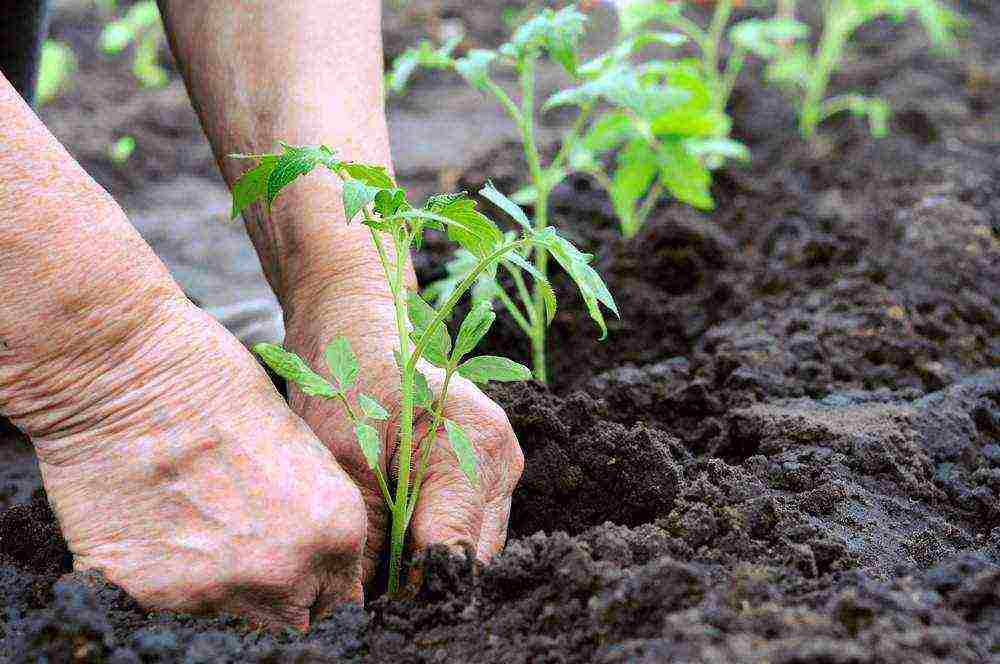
(121, 150)
(55, 69)
(140, 26)
(657, 117)
(805, 73)
(371, 195)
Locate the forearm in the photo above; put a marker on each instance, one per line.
(263, 71)
(70, 262)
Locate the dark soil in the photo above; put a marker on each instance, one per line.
(788, 450)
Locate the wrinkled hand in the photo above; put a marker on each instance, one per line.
(450, 511)
(180, 473)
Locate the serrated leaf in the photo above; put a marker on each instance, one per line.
(485, 368)
(293, 368)
(388, 202)
(356, 196)
(684, 175)
(466, 225)
(372, 408)
(492, 194)
(421, 316)
(475, 326)
(457, 269)
(591, 286)
(548, 294)
(369, 442)
(475, 67)
(343, 363)
(294, 162)
(373, 176)
(252, 185)
(463, 450)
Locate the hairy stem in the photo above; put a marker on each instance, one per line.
(427, 445)
(405, 448)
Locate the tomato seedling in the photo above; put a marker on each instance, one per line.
(369, 194)
(805, 72)
(658, 115)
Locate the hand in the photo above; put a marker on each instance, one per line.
(450, 511)
(175, 468)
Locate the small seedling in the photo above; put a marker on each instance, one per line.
(658, 116)
(371, 195)
(805, 73)
(140, 26)
(55, 69)
(121, 150)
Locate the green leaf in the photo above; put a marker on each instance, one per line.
(466, 225)
(356, 196)
(636, 14)
(592, 287)
(252, 184)
(636, 172)
(422, 395)
(293, 368)
(368, 440)
(115, 37)
(390, 201)
(372, 408)
(684, 175)
(421, 316)
(475, 326)
(562, 40)
(725, 148)
(492, 194)
(55, 68)
(548, 294)
(475, 67)
(767, 39)
(373, 176)
(462, 448)
(457, 269)
(485, 368)
(343, 363)
(294, 162)
(608, 132)
(423, 55)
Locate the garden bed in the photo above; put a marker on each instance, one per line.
(788, 449)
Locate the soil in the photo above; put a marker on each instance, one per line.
(788, 449)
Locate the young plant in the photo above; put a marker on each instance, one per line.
(806, 73)
(371, 195)
(55, 70)
(659, 116)
(140, 26)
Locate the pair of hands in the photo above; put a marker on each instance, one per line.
(181, 474)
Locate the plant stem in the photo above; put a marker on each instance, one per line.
(540, 255)
(405, 447)
(713, 43)
(427, 444)
(514, 311)
(456, 295)
(828, 54)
